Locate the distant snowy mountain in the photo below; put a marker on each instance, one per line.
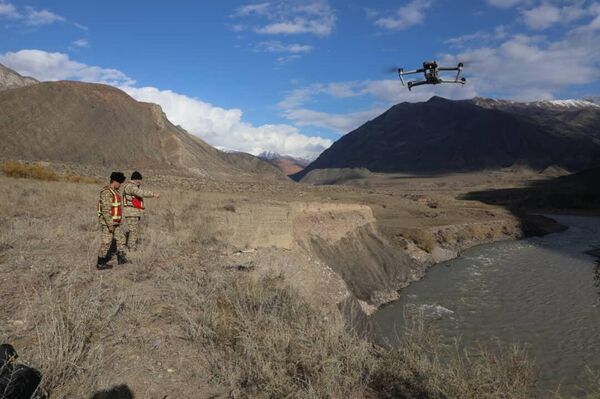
(286, 163)
(592, 102)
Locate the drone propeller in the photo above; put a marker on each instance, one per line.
(391, 69)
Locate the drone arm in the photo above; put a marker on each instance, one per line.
(403, 72)
(416, 83)
(458, 81)
(400, 73)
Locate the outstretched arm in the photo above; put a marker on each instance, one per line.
(133, 189)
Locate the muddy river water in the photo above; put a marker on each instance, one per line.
(542, 292)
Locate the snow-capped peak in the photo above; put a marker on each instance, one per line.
(569, 103)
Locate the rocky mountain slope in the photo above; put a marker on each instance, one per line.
(10, 79)
(286, 163)
(562, 116)
(441, 135)
(93, 124)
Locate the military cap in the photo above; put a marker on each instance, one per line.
(136, 175)
(117, 176)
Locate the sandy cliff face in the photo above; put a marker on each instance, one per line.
(334, 252)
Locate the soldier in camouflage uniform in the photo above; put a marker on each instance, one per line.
(110, 214)
(133, 197)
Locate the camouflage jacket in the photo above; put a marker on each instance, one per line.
(130, 191)
(105, 207)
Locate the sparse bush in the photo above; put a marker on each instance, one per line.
(422, 367)
(263, 340)
(422, 238)
(28, 171)
(39, 172)
(63, 330)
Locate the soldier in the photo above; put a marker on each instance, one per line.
(109, 215)
(134, 207)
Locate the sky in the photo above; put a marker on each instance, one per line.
(292, 76)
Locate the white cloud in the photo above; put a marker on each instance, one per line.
(499, 33)
(545, 15)
(340, 123)
(384, 93)
(58, 66)
(34, 17)
(218, 126)
(224, 128)
(530, 68)
(406, 16)
(505, 3)
(81, 43)
(252, 9)
(288, 17)
(8, 10)
(320, 27)
(30, 16)
(275, 46)
(542, 17)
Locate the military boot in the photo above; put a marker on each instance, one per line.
(122, 258)
(102, 263)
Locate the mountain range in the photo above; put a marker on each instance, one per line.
(442, 135)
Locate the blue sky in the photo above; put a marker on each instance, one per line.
(291, 76)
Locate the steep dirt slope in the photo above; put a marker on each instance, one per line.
(96, 124)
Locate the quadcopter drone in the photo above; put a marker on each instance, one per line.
(431, 72)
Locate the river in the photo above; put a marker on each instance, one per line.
(542, 292)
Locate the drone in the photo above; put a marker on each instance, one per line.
(431, 72)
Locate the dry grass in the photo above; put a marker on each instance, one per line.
(422, 238)
(262, 340)
(220, 332)
(40, 172)
(422, 367)
(66, 351)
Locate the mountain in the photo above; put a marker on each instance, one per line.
(94, 124)
(286, 163)
(442, 135)
(10, 79)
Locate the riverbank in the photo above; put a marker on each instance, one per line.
(541, 292)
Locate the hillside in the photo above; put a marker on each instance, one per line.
(577, 192)
(453, 136)
(10, 79)
(93, 124)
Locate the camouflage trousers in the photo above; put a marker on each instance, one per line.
(107, 237)
(133, 222)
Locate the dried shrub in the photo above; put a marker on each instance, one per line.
(28, 171)
(262, 340)
(40, 172)
(423, 367)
